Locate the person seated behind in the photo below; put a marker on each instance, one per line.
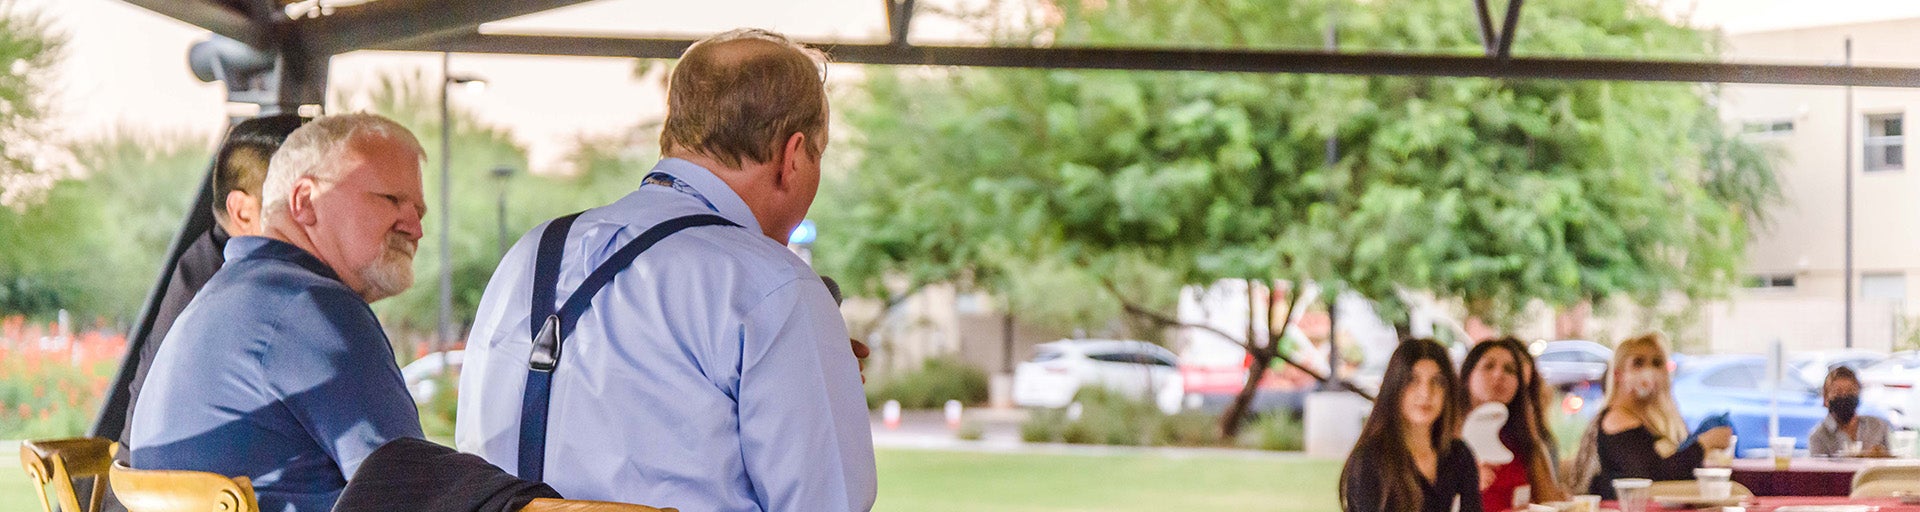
(1639, 432)
(1842, 427)
(239, 167)
(1409, 456)
(1499, 371)
(278, 370)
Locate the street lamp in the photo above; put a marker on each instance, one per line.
(447, 79)
(502, 174)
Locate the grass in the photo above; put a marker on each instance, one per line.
(16, 492)
(936, 481)
(931, 481)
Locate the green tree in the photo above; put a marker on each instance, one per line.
(606, 168)
(93, 243)
(29, 48)
(1496, 192)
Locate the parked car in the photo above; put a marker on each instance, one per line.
(420, 374)
(1566, 363)
(1060, 369)
(1813, 366)
(1890, 383)
(1738, 385)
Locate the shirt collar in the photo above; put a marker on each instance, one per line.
(713, 189)
(260, 247)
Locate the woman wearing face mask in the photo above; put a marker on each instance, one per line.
(1499, 371)
(1409, 456)
(1638, 433)
(1842, 426)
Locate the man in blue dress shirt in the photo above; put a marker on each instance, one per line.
(714, 373)
(277, 370)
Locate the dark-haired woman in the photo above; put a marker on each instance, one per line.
(1409, 456)
(1500, 371)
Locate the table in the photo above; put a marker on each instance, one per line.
(1803, 477)
(1771, 503)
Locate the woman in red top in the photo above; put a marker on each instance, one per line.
(1501, 371)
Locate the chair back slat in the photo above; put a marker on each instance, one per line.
(57, 462)
(145, 490)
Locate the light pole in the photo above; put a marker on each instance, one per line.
(447, 79)
(502, 174)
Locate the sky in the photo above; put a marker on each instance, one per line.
(126, 67)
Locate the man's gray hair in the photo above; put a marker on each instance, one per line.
(314, 150)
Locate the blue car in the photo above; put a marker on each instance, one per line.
(1737, 384)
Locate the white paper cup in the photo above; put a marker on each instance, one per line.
(1587, 502)
(1782, 448)
(1715, 483)
(1901, 443)
(1633, 493)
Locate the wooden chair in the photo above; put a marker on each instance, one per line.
(56, 462)
(1886, 479)
(144, 490)
(1691, 488)
(553, 505)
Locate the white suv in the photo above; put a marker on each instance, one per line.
(1135, 369)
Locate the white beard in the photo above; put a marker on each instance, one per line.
(393, 272)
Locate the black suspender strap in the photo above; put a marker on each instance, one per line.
(550, 327)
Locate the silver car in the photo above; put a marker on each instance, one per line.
(1135, 369)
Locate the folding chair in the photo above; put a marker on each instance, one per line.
(56, 462)
(144, 490)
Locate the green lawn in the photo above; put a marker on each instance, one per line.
(934, 481)
(16, 493)
(930, 481)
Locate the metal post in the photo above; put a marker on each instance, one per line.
(503, 173)
(1849, 120)
(1332, 158)
(446, 209)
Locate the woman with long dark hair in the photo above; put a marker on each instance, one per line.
(1501, 372)
(1409, 456)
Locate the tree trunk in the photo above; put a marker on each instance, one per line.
(1230, 420)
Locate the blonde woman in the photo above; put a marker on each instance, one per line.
(1638, 433)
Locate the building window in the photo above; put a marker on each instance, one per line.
(1768, 128)
(1888, 286)
(1886, 150)
(1770, 281)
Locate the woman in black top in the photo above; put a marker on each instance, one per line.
(1638, 434)
(1409, 456)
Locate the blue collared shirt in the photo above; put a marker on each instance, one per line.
(713, 374)
(275, 371)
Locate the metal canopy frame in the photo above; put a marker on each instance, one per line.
(430, 25)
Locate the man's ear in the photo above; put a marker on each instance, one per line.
(794, 156)
(300, 202)
(243, 210)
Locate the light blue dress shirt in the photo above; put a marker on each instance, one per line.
(714, 374)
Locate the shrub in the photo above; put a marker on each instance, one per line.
(1188, 429)
(1278, 431)
(1111, 419)
(1043, 426)
(436, 416)
(940, 379)
(971, 431)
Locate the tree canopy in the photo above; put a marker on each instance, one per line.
(1497, 192)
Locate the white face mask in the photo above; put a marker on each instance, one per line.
(1643, 383)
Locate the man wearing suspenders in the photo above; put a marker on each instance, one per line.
(667, 349)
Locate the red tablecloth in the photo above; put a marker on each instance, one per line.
(1803, 477)
(1771, 503)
